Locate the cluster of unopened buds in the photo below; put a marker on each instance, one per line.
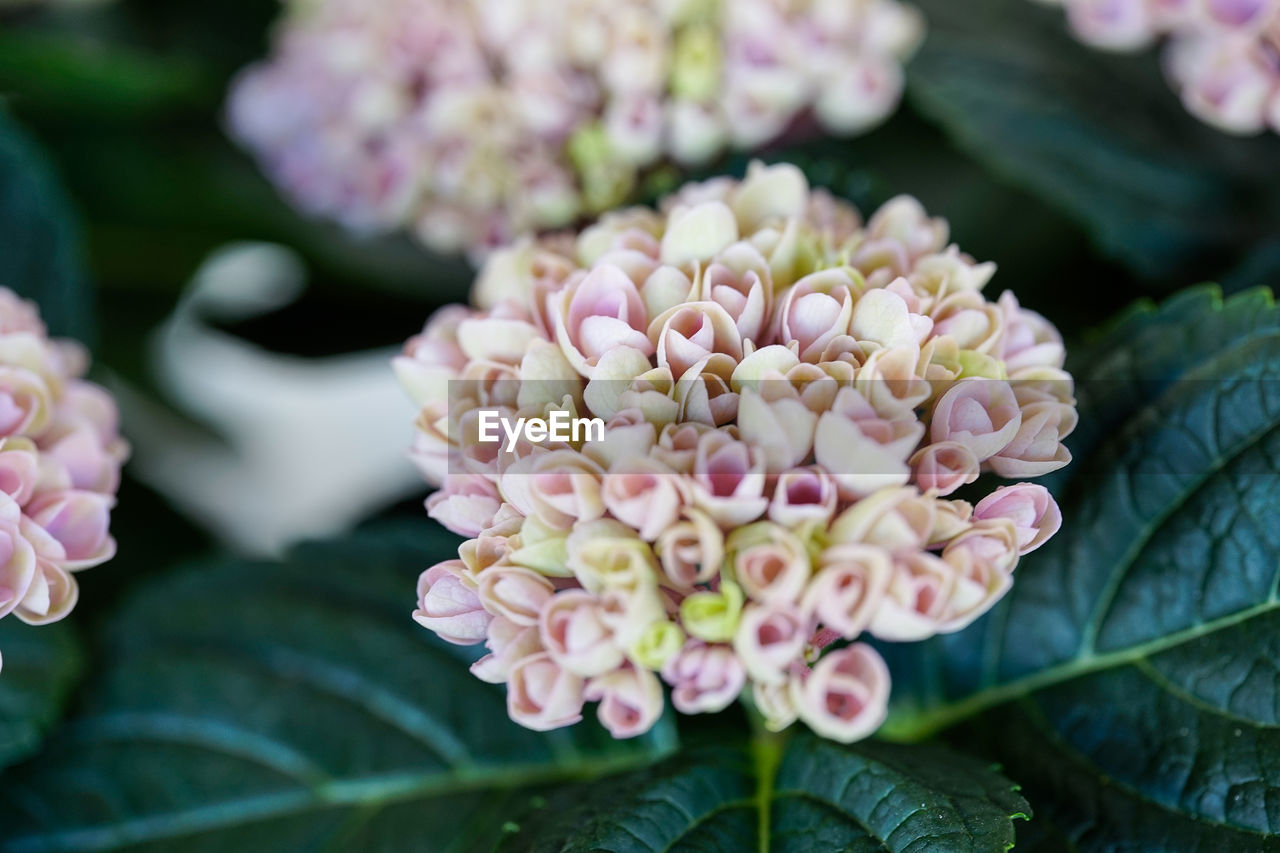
(1223, 56)
(789, 398)
(60, 458)
(469, 121)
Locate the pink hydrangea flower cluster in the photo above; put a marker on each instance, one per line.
(60, 458)
(790, 397)
(469, 121)
(1223, 56)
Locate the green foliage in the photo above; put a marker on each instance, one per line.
(40, 668)
(805, 794)
(285, 706)
(297, 706)
(41, 254)
(1138, 648)
(1101, 136)
(57, 76)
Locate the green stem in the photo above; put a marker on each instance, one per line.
(767, 748)
(920, 725)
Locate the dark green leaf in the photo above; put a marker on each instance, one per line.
(62, 76)
(1099, 135)
(292, 706)
(40, 255)
(1140, 645)
(803, 795)
(40, 667)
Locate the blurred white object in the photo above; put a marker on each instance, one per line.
(295, 448)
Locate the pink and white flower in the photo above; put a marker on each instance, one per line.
(1221, 55)
(788, 397)
(60, 460)
(471, 126)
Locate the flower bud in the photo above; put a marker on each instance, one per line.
(1029, 340)
(983, 575)
(728, 479)
(644, 494)
(846, 696)
(982, 414)
(783, 429)
(20, 469)
(466, 504)
(739, 281)
(1033, 511)
(704, 678)
(775, 703)
(18, 568)
(768, 639)
(691, 550)
(542, 696)
(943, 467)
(596, 313)
(558, 487)
(449, 605)
(1037, 447)
(79, 521)
(573, 631)
(917, 599)
(606, 554)
(862, 451)
(882, 317)
(895, 519)
(815, 310)
(50, 597)
(803, 496)
(514, 593)
(687, 334)
(698, 233)
(630, 700)
(1112, 25)
(848, 587)
(508, 644)
(769, 562)
(713, 616)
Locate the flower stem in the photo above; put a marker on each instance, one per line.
(766, 749)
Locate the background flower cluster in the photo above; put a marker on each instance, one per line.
(60, 458)
(470, 122)
(790, 396)
(1223, 56)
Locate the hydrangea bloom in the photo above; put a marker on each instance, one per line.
(1223, 56)
(791, 397)
(469, 121)
(60, 458)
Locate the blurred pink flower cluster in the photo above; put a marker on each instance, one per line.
(60, 458)
(471, 121)
(790, 398)
(1223, 56)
